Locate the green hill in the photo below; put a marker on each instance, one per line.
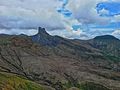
(14, 82)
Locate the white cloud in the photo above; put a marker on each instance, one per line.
(36, 12)
(69, 34)
(116, 33)
(24, 16)
(104, 12)
(19, 31)
(85, 11)
(43, 12)
(116, 18)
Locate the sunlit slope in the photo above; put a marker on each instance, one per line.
(13, 82)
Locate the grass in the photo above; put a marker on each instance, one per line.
(4, 42)
(13, 82)
(87, 86)
(92, 86)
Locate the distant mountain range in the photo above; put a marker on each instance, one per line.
(62, 63)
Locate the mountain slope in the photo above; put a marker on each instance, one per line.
(58, 62)
(13, 82)
(108, 44)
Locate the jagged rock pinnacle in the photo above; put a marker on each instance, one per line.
(41, 31)
(44, 38)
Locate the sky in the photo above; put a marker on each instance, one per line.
(74, 19)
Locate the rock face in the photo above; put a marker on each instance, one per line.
(41, 37)
(44, 38)
(61, 63)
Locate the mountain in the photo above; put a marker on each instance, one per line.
(110, 45)
(106, 37)
(107, 43)
(60, 46)
(44, 38)
(61, 63)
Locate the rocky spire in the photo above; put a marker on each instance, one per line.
(44, 38)
(41, 31)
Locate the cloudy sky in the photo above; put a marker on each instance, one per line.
(81, 19)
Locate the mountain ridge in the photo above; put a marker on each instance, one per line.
(106, 37)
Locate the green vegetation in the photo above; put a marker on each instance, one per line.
(13, 82)
(87, 86)
(4, 41)
(115, 59)
(92, 86)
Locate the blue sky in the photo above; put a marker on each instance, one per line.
(82, 19)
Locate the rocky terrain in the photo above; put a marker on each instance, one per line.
(61, 64)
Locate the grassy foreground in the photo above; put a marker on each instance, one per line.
(13, 82)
